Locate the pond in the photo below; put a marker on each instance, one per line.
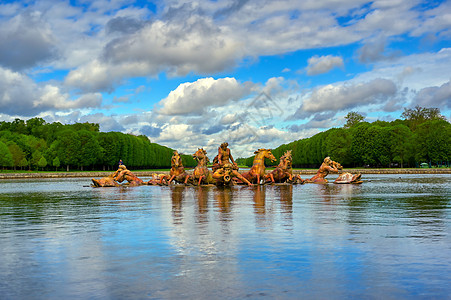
(386, 238)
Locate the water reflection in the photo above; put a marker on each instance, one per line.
(202, 194)
(386, 238)
(224, 201)
(177, 197)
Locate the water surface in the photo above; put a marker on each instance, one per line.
(386, 238)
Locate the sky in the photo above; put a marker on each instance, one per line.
(192, 74)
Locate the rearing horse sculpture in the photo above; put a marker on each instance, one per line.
(283, 171)
(201, 172)
(257, 170)
(177, 172)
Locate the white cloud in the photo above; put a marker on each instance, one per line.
(438, 97)
(21, 96)
(323, 64)
(348, 96)
(196, 97)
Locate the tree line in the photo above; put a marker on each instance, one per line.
(423, 135)
(37, 145)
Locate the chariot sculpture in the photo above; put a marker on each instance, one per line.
(225, 171)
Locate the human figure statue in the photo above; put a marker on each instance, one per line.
(124, 174)
(107, 181)
(328, 166)
(227, 166)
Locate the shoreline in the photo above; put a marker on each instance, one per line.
(101, 174)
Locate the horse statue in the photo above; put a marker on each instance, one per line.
(107, 181)
(125, 174)
(257, 170)
(283, 172)
(177, 172)
(201, 172)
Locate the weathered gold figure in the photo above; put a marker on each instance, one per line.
(225, 171)
(201, 173)
(125, 174)
(257, 170)
(284, 171)
(177, 172)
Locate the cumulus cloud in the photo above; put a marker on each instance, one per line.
(151, 131)
(26, 41)
(19, 95)
(196, 97)
(323, 64)
(107, 123)
(347, 96)
(437, 96)
(375, 51)
(123, 25)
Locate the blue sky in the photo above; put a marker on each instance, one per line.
(192, 74)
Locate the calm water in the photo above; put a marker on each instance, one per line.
(387, 238)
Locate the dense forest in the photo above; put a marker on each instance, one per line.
(37, 145)
(422, 136)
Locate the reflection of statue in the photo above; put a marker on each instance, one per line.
(225, 171)
(177, 172)
(201, 172)
(125, 174)
(260, 200)
(224, 201)
(105, 181)
(177, 197)
(257, 170)
(326, 167)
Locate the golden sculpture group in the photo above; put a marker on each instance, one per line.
(224, 171)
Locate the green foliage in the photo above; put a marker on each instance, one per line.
(418, 115)
(42, 162)
(433, 141)
(377, 144)
(17, 154)
(353, 118)
(6, 159)
(56, 163)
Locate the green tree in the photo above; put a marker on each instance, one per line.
(338, 146)
(17, 154)
(353, 118)
(68, 148)
(6, 159)
(56, 163)
(401, 144)
(23, 163)
(35, 158)
(42, 163)
(433, 141)
(89, 148)
(418, 115)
